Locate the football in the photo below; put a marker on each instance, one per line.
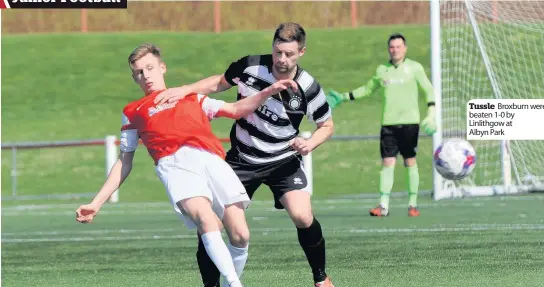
(455, 159)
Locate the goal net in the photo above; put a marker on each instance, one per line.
(490, 50)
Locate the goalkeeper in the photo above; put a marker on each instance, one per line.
(398, 81)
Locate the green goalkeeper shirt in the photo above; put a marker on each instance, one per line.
(399, 88)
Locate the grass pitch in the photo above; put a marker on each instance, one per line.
(472, 242)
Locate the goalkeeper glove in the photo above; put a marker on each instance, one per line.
(335, 98)
(429, 123)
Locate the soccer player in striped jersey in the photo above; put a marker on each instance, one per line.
(398, 80)
(265, 147)
(203, 189)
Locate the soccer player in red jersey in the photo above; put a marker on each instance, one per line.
(265, 146)
(203, 189)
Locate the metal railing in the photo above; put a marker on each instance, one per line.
(111, 142)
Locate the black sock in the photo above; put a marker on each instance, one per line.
(312, 242)
(208, 270)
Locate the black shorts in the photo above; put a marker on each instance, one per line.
(281, 177)
(399, 138)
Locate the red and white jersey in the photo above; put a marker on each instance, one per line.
(167, 127)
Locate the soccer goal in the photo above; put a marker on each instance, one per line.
(488, 50)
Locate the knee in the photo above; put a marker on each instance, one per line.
(303, 220)
(239, 237)
(200, 231)
(409, 162)
(389, 161)
(199, 210)
(205, 222)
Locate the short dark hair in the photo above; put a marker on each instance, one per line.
(396, 36)
(290, 31)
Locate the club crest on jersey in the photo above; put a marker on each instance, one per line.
(294, 102)
(160, 108)
(387, 82)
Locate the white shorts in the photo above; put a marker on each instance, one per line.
(192, 172)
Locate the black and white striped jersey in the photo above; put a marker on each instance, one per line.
(263, 136)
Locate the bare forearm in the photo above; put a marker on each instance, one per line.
(210, 85)
(117, 176)
(321, 135)
(246, 106)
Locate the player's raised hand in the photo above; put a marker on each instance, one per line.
(282, 85)
(172, 95)
(86, 213)
(300, 145)
(334, 98)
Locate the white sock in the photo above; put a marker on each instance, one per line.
(239, 258)
(219, 254)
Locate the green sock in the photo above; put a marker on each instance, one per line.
(413, 185)
(387, 176)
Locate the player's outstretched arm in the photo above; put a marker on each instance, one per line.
(210, 85)
(119, 172)
(335, 98)
(246, 106)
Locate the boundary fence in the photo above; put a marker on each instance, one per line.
(220, 16)
(111, 143)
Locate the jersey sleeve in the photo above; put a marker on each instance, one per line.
(210, 106)
(367, 89)
(235, 70)
(129, 135)
(318, 109)
(424, 83)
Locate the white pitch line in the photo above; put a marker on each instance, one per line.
(71, 205)
(80, 239)
(144, 205)
(354, 200)
(449, 229)
(166, 230)
(98, 231)
(480, 228)
(73, 212)
(166, 208)
(169, 210)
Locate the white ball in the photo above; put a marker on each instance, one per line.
(455, 159)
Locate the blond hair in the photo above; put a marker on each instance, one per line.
(142, 50)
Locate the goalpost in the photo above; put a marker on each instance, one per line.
(487, 50)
